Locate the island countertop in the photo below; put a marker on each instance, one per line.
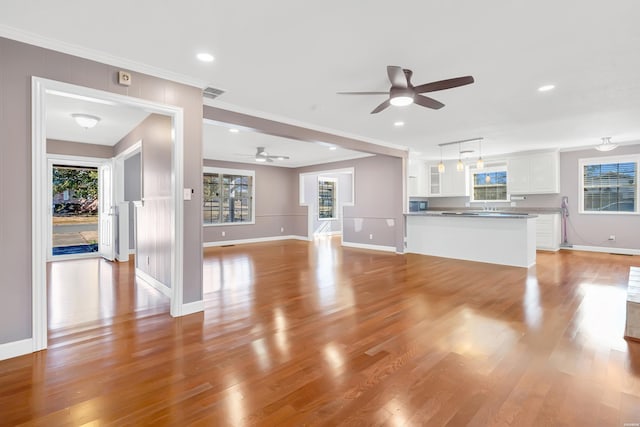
(473, 214)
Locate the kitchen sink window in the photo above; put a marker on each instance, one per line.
(609, 185)
(227, 196)
(489, 184)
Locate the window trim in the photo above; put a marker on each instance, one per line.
(246, 172)
(336, 210)
(496, 167)
(628, 158)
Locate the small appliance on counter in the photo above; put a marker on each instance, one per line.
(418, 205)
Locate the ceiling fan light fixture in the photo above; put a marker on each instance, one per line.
(261, 159)
(606, 144)
(401, 100)
(86, 121)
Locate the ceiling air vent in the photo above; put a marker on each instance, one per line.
(212, 92)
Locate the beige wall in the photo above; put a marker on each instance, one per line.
(276, 205)
(153, 218)
(20, 62)
(69, 148)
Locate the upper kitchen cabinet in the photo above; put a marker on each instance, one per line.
(450, 183)
(534, 173)
(416, 179)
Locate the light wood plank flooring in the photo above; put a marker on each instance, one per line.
(297, 333)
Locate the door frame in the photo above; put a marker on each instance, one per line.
(39, 88)
(67, 160)
(118, 171)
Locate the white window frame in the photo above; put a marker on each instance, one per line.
(501, 167)
(245, 172)
(631, 158)
(335, 198)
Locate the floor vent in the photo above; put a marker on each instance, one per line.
(212, 92)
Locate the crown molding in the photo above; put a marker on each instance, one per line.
(96, 55)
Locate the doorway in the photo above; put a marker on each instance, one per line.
(41, 200)
(79, 215)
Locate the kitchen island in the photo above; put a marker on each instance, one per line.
(494, 237)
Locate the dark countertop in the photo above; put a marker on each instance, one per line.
(457, 213)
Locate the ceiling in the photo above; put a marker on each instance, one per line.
(221, 144)
(116, 120)
(288, 59)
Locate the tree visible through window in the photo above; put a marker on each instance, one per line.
(227, 197)
(326, 198)
(609, 187)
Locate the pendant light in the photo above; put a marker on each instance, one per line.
(459, 165)
(441, 164)
(480, 162)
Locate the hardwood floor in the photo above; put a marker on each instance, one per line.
(298, 333)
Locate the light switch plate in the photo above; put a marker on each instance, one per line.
(187, 193)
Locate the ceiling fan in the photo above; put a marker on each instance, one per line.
(402, 92)
(263, 156)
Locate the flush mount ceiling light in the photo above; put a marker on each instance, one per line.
(606, 144)
(546, 88)
(333, 148)
(234, 130)
(85, 121)
(398, 124)
(205, 57)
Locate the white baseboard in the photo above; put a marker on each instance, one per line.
(16, 348)
(153, 282)
(371, 247)
(621, 251)
(192, 307)
(256, 240)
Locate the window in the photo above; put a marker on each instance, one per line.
(609, 185)
(326, 198)
(489, 184)
(228, 196)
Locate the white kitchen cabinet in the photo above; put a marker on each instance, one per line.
(450, 183)
(534, 174)
(416, 179)
(548, 232)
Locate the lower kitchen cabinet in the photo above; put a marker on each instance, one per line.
(548, 236)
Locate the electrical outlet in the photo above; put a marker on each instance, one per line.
(224, 233)
(282, 229)
(612, 237)
(370, 236)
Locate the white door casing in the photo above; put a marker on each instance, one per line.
(40, 201)
(106, 211)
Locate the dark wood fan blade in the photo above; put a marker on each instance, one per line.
(425, 101)
(444, 84)
(382, 106)
(363, 93)
(397, 76)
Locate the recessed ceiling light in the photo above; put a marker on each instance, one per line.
(205, 57)
(333, 147)
(546, 88)
(234, 130)
(398, 124)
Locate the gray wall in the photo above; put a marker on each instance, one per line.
(68, 148)
(378, 206)
(132, 191)
(153, 218)
(583, 229)
(275, 205)
(20, 62)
